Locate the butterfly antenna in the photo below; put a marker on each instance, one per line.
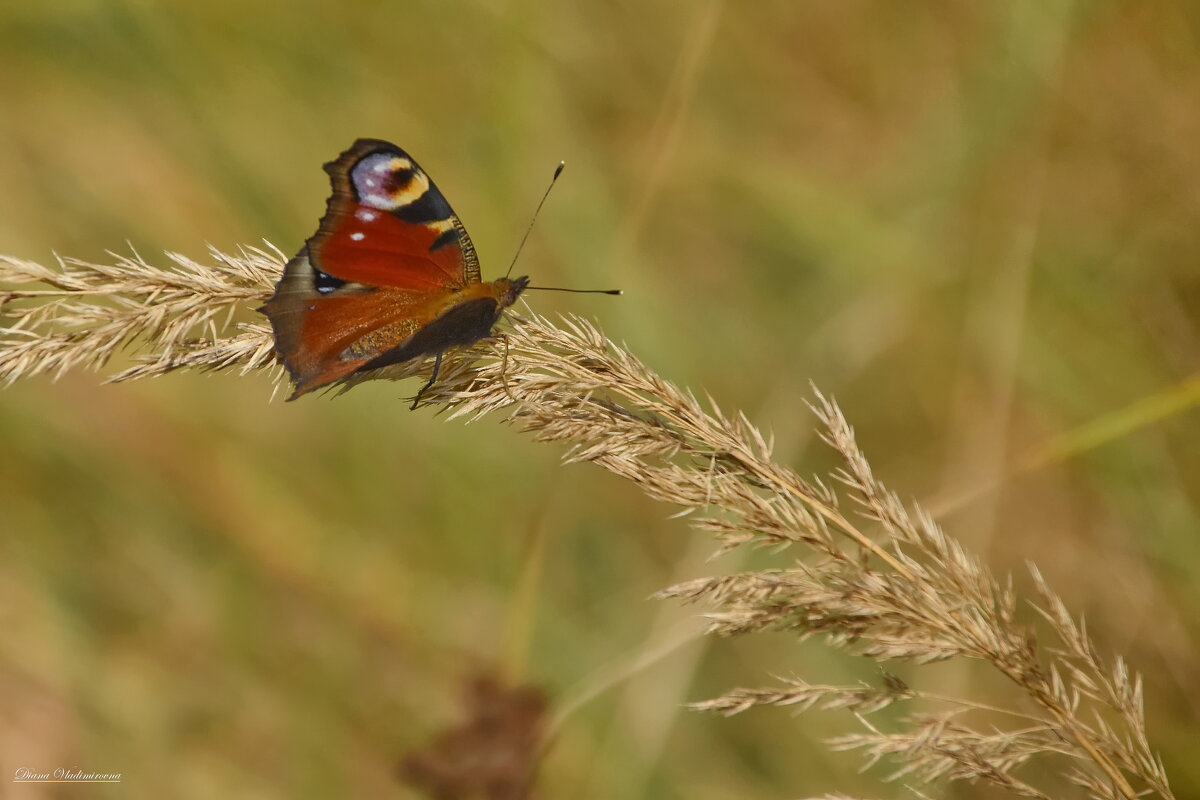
(580, 291)
(557, 171)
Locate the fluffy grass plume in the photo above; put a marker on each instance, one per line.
(869, 573)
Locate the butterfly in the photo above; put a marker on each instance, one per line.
(390, 276)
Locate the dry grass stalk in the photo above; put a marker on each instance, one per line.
(896, 587)
(82, 313)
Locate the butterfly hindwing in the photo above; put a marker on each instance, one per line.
(323, 335)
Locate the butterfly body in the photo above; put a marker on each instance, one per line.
(390, 275)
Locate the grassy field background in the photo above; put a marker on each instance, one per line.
(974, 223)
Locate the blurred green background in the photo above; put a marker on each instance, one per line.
(975, 223)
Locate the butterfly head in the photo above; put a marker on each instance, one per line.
(509, 289)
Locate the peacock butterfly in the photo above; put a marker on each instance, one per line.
(390, 275)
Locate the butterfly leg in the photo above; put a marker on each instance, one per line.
(437, 365)
(504, 369)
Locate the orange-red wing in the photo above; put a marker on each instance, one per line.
(325, 336)
(341, 334)
(390, 271)
(387, 225)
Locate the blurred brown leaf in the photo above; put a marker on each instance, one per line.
(493, 754)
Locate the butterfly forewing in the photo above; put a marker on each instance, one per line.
(388, 225)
